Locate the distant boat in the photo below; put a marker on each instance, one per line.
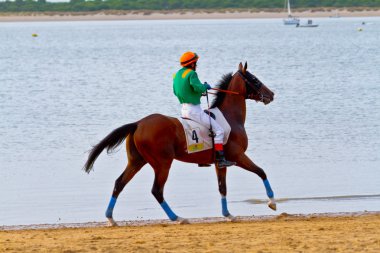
(308, 24)
(290, 20)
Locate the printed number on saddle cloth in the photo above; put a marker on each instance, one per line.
(194, 136)
(196, 141)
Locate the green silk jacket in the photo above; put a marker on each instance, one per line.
(187, 86)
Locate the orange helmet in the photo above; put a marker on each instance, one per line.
(188, 58)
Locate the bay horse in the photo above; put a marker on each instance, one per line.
(158, 140)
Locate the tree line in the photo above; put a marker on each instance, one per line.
(98, 5)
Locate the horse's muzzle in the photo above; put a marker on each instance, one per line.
(267, 99)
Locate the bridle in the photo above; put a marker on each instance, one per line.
(254, 85)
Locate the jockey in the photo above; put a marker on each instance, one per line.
(188, 89)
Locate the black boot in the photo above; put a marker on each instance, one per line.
(221, 161)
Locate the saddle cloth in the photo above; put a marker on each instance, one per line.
(198, 137)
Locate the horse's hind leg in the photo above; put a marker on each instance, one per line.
(120, 183)
(221, 174)
(135, 163)
(161, 175)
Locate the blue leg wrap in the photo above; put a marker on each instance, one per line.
(172, 216)
(268, 188)
(225, 211)
(110, 207)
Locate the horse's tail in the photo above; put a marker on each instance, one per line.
(110, 142)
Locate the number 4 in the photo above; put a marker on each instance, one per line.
(194, 136)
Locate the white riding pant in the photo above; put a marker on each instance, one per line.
(195, 112)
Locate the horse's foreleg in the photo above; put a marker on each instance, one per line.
(221, 174)
(161, 175)
(246, 163)
(120, 183)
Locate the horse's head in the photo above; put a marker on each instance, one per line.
(254, 88)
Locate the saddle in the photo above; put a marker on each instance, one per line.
(198, 137)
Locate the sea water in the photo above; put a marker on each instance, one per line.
(63, 91)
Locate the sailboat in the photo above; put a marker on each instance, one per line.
(290, 20)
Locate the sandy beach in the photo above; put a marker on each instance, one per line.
(355, 232)
(178, 15)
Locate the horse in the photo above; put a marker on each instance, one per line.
(158, 140)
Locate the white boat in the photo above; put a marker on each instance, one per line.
(290, 20)
(308, 24)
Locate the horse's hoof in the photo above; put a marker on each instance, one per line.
(272, 205)
(111, 222)
(231, 218)
(182, 221)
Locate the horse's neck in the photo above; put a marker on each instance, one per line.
(234, 109)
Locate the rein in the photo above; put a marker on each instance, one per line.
(212, 134)
(226, 91)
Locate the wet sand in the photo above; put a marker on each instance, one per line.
(356, 232)
(178, 15)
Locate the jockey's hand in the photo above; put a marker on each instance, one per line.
(207, 86)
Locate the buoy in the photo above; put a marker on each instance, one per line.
(360, 29)
(34, 35)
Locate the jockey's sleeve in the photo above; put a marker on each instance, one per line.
(197, 85)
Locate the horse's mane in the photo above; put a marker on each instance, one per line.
(223, 84)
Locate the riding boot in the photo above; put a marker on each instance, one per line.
(220, 160)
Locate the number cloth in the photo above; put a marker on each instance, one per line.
(195, 113)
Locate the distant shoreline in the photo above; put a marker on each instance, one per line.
(182, 15)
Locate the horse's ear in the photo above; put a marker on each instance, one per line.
(240, 66)
(243, 69)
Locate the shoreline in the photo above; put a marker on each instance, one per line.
(181, 15)
(355, 232)
(204, 220)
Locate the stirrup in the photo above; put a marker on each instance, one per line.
(223, 163)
